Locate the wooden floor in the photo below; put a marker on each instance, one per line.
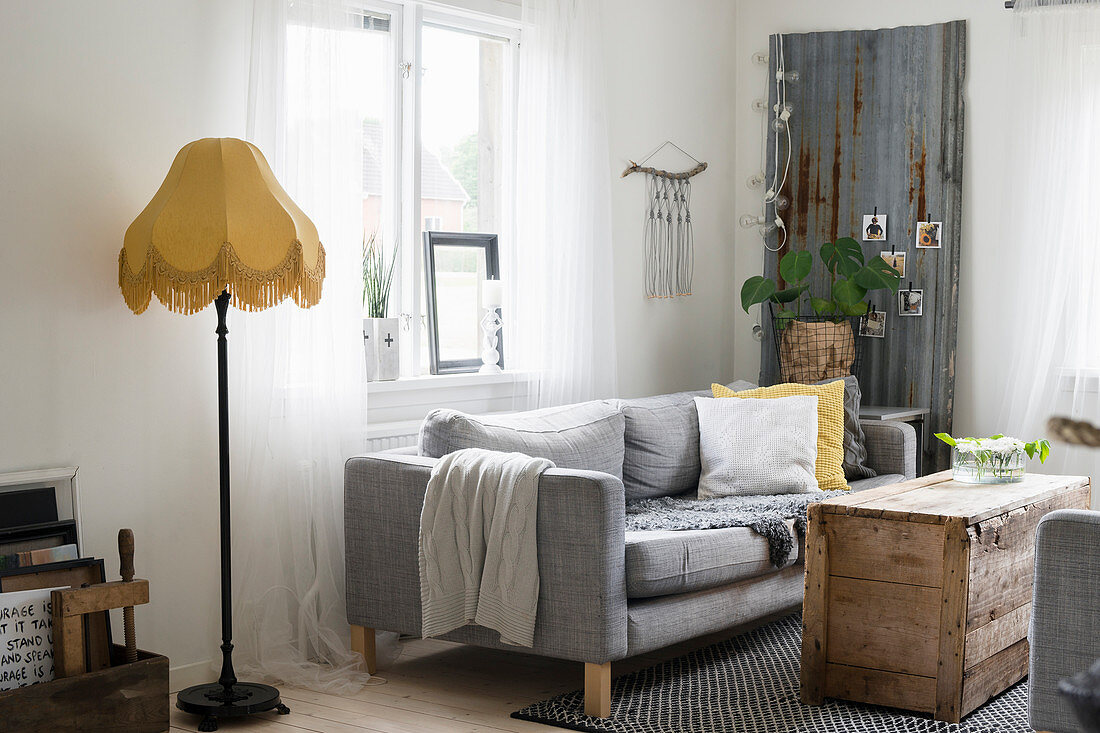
(439, 686)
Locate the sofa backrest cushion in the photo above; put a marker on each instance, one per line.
(662, 444)
(661, 455)
(587, 436)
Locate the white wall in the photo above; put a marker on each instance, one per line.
(669, 68)
(982, 355)
(95, 100)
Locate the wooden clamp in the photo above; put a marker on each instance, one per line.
(69, 607)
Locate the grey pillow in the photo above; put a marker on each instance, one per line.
(661, 456)
(855, 442)
(586, 436)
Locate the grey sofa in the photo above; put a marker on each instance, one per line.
(1064, 636)
(605, 594)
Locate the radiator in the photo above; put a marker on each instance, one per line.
(387, 436)
(394, 441)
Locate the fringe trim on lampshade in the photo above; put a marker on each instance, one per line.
(250, 289)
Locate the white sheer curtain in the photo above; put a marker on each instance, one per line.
(563, 326)
(1052, 232)
(298, 403)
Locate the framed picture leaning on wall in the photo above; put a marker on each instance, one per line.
(456, 264)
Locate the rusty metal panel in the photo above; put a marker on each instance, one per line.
(878, 122)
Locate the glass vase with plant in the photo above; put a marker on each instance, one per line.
(997, 459)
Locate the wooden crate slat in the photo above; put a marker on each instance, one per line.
(989, 678)
(888, 626)
(896, 552)
(878, 687)
(988, 639)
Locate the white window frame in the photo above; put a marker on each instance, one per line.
(493, 18)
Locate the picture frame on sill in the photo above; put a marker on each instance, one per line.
(456, 265)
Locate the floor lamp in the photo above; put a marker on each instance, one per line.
(222, 230)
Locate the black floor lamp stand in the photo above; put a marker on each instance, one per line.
(227, 697)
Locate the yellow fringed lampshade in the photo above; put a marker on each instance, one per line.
(221, 221)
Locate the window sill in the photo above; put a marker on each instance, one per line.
(1079, 379)
(443, 381)
(396, 404)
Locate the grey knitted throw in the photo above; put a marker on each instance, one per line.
(765, 515)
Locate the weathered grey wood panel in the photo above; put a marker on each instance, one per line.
(878, 122)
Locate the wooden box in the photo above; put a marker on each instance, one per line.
(124, 698)
(918, 595)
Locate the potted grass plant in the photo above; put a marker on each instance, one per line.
(815, 339)
(381, 335)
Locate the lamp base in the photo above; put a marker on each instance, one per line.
(209, 701)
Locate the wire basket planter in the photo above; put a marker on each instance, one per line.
(813, 348)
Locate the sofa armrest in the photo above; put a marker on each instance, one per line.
(581, 555)
(1065, 614)
(891, 447)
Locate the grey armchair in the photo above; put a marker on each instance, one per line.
(1065, 613)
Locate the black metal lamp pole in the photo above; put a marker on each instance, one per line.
(227, 697)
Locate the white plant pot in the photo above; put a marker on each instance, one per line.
(381, 344)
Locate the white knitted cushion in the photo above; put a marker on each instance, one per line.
(757, 446)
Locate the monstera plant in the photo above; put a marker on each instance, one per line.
(851, 279)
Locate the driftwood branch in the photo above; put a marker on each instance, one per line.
(635, 168)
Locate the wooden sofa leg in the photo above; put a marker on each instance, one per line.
(597, 690)
(362, 642)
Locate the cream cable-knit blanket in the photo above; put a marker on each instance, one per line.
(478, 553)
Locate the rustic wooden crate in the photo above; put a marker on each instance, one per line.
(123, 698)
(918, 595)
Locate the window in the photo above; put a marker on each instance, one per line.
(438, 120)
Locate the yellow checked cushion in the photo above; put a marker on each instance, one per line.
(829, 468)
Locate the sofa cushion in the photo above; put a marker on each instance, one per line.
(754, 447)
(665, 562)
(855, 442)
(586, 436)
(830, 423)
(661, 442)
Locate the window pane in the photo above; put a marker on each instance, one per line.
(366, 61)
(459, 272)
(376, 60)
(462, 124)
(463, 149)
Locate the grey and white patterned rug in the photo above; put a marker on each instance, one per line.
(750, 684)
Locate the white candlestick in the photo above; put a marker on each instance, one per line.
(490, 325)
(492, 293)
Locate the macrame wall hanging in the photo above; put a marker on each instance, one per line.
(669, 243)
